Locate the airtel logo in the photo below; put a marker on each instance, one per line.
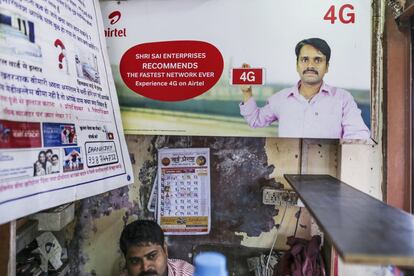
(114, 17)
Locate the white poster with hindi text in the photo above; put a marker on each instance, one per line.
(61, 137)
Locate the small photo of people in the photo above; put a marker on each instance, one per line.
(72, 160)
(47, 163)
(68, 134)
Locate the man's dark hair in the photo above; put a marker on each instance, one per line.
(55, 156)
(318, 43)
(141, 233)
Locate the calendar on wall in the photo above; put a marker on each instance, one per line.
(183, 205)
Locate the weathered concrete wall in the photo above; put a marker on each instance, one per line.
(291, 156)
(361, 167)
(100, 219)
(240, 167)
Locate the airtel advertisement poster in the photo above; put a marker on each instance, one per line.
(61, 137)
(229, 67)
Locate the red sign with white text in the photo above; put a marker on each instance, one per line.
(171, 70)
(19, 135)
(250, 76)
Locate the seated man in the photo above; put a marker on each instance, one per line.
(142, 243)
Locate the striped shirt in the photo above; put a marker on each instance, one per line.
(179, 268)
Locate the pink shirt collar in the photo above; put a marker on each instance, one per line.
(324, 88)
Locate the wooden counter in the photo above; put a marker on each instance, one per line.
(362, 228)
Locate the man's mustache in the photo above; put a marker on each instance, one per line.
(148, 273)
(310, 70)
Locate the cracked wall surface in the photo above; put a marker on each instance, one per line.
(240, 168)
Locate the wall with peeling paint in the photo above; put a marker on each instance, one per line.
(361, 167)
(240, 168)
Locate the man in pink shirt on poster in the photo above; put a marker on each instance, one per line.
(312, 108)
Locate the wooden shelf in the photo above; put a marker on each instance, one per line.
(362, 228)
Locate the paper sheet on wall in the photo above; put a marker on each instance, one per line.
(183, 206)
(61, 137)
(50, 249)
(152, 202)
